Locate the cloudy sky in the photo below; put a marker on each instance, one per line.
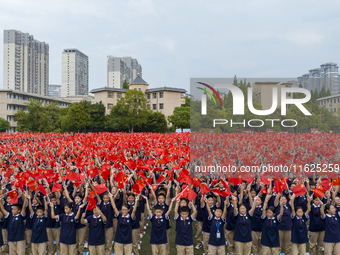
(177, 40)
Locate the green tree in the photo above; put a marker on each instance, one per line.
(4, 125)
(77, 118)
(97, 117)
(180, 117)
(156, 122)
(125, 85)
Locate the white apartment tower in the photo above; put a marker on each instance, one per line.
(75, 73)
(26, 63)
(120, 69)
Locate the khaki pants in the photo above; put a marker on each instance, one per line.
(135, 238)
(270, 250)
(121, 249)
(97, 249)
(158, 249)
(199, 236)
(216, 250)
(4, 248)
(68, 249)
(185, 250)
(108, 240)
(168, 244)
(230, 241)
(80, 232)
(39, 248)
(242, 248)
(332, 248)
(115, 221)
(256, 244)
(53, 234)
(141, 223)
(316, 238)
(17, 248)
(285, 237)
(299, 248)
(28, 236)
(206, 236)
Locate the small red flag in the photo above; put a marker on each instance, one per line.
(160, 179)
(299, 189)
(71, 176)
(91, 204)
(42, 190)
(135, 189)
(336, 182)
(326, 183)
(265, 181)
(56, 187)
(100, 189)
(196, 182)
(14, 196)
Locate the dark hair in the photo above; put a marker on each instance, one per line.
(158, 207)
(314, 197)
(210, 196)
(327, 207)
(219, 208)
(184, 209)
(232, 190)
(127, 206)
(98, 206)
(105, 193)
(18, 206)
(78, 195)
(161, 195)
(53, 196)
(239, 206)
(272, 208)
(130, 194)
(298, 207)
(69, 205)
(40, 207)
(183, 198)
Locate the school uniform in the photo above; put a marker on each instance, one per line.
(242, 234)
(299, 234)
(165, 207)
(285, 227)
(39, 234)
(256, 229)
(206, 226)
(216, 244)
(4, 232)
(107, 210)
(119, 204)
(80, 229)
(230, 227)
(97, 234)
(67, 239)
(16, 233)
(123, 237)
(331, 240)
(28, 228)
(135, 227)
(158, 238)
(199, 221)
(53, 230)
(301, 201)
(270, 239)
(316, 229)
(184, 236)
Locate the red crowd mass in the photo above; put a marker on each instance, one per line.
(98, 188)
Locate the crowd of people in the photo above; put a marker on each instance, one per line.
(60, 191)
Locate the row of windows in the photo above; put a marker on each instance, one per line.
(154, 106)
(26, 98)
(330, 101)
(154, 95)
(111, 95)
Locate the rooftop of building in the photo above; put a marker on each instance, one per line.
(147, 90)
(138, 80)
(329, 97)
(31, 95)
(266, 83)
(329, 63)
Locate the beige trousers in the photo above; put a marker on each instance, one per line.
(28, 236)
(108, 240)
(17, 248)
(185, 250)
(270, 250)
(53, 234)
(332, 248)
(68, 249)
(4, 248)
(216, 250)
(135, 240)
(256, 244)
(39, 248)
(199, 235)
(230, 241)
(299, 248)
(316, 238)
(158, 249)
(242, 248)
(168, 244)
(121, 249)
(285, 237)
(114, 228)
(97, 249)
(206, 236)
(81, 232)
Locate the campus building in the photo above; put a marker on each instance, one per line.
(75, 73)
(330, 102)
(11, 101)
(25, 63)
(162, 99)
(54, 90)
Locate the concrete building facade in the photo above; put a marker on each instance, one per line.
(54, 90)
(330, 102)
(75, 73)
(25, 63)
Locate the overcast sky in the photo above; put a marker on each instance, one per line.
(178, 40)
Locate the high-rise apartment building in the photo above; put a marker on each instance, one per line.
(75, 73)
(120, 69)
(26, 63)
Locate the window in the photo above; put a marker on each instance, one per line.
(109, 106)
(148, 96)
(154, 95)
(161, 106)
(119, 95)
(154, 107)
(139, 89)
(110, 94)
(161, 94)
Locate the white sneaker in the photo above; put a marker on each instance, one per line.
(141, 235)
(144, 227)
(138, 246)
(198, 246)
(86, 245)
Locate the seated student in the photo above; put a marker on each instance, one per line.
(158, 238)
(331, 241)
(123, 236)
(256, 225)
(39, 234)
(184, 237)
(299, 229)
(15, 227)
(96, 223)
(270, 239)
(316, 227)
(216, 243)
(67, 239)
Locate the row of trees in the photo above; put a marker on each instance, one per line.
(321, 118)
(131, 114)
